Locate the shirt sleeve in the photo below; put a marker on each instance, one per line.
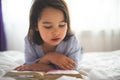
(74, 51)
(30, 53)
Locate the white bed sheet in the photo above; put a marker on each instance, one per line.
(96, 66)
(9, 60)
(102, 65)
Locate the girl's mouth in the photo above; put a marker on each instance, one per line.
(56, 39)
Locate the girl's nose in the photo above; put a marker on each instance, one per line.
(55, 32)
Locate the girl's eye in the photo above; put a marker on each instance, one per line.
(48, 27)
(62, 25)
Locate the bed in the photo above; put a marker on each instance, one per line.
(102, 65)
(94, 65)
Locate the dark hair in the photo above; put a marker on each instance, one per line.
(35, 14)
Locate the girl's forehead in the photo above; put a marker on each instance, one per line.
(51, 11)
(52, 14)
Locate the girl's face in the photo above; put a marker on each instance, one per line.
(51, 26)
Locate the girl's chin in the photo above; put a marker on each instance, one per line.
(55, 44)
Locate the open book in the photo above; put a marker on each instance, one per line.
(36, 75)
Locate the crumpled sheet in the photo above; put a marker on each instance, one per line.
(9, 60)
(101, 65)
(94, 66)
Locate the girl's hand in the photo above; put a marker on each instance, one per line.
(34, 67)
(61, 61)
(43, 60)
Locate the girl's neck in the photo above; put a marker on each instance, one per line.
(48, 48)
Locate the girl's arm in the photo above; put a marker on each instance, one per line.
(70, 55)
(60, 60)
(34, 67)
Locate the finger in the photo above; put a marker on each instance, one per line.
(71, 67)
(64, 67)
(17, 67)
(70, 61)
(22, 68)
(70, 64)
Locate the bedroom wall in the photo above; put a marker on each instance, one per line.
(90, 41)
(119, 14)
(16, 18)
(15, 34)
(101, 40)
(16, 14)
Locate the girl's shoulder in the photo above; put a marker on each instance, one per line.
(73, 38)
(27, 41)
(71, 41)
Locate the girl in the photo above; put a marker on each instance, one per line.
(50, 44)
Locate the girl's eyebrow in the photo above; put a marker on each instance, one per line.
(47, 22)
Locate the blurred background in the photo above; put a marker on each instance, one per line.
(95, 22)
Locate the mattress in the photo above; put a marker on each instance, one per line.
(94, 65)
